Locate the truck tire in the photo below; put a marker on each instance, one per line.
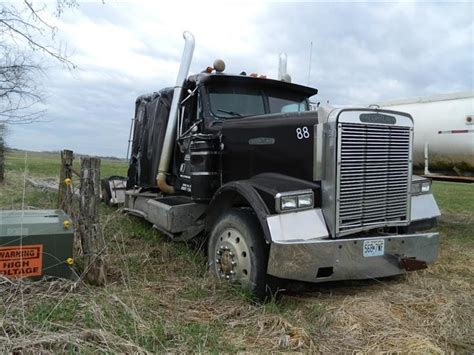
(237, 251)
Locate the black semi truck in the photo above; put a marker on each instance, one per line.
(279, 190)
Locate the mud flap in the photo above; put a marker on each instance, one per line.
(412, 264)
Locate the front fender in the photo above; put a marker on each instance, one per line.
(238, 194)
(259, 194)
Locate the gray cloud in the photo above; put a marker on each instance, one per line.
(362, 53)
(378, 51)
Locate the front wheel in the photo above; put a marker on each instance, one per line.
(237, 251)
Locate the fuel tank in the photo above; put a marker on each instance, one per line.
(444, 124)
(279, 143)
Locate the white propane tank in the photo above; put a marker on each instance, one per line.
(445, 125)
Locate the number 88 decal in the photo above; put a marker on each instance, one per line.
(302, 133)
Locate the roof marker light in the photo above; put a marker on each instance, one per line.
(219, 65)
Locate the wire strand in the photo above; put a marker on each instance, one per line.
(21, 235)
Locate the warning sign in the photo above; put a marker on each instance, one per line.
(21, 261)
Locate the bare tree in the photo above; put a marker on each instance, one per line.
(19, 92)
(26, 40)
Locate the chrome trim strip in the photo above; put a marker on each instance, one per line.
(204, 152)
(410, 172)
(338, 175)
(262, 141)
(318, 152)
(353, 116)
(203, 173)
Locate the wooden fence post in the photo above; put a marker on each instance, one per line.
(89, 228)
(65, 187)
(2, 153)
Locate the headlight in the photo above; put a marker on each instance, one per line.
(305, 201)
(296, 200)
(420, 186)
(288, 203)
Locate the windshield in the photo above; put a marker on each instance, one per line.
(237, 101)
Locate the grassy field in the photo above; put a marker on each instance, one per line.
(48, 164)
(159, 297)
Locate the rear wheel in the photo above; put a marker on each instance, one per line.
(237, 251)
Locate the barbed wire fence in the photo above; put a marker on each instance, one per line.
(81, 192)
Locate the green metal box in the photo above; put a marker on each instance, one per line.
(35, 243)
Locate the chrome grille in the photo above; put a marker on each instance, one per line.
(374, 172)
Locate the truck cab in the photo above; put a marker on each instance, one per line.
(277, 189)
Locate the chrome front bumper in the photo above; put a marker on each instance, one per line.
(327, 259)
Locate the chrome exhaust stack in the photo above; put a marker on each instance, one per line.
(282, 60)
(173, 117)
(282, 68)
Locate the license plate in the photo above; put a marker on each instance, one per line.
(373, 247)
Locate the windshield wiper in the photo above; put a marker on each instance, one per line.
(230, 112)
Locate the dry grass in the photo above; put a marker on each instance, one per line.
(159, 298)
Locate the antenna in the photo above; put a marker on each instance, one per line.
(310, 59)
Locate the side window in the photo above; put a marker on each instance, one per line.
(284, 105)
(189, 112)
(293, 108)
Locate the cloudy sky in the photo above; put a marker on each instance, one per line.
(362, 53)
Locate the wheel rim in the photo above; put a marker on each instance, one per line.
(232, 257)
